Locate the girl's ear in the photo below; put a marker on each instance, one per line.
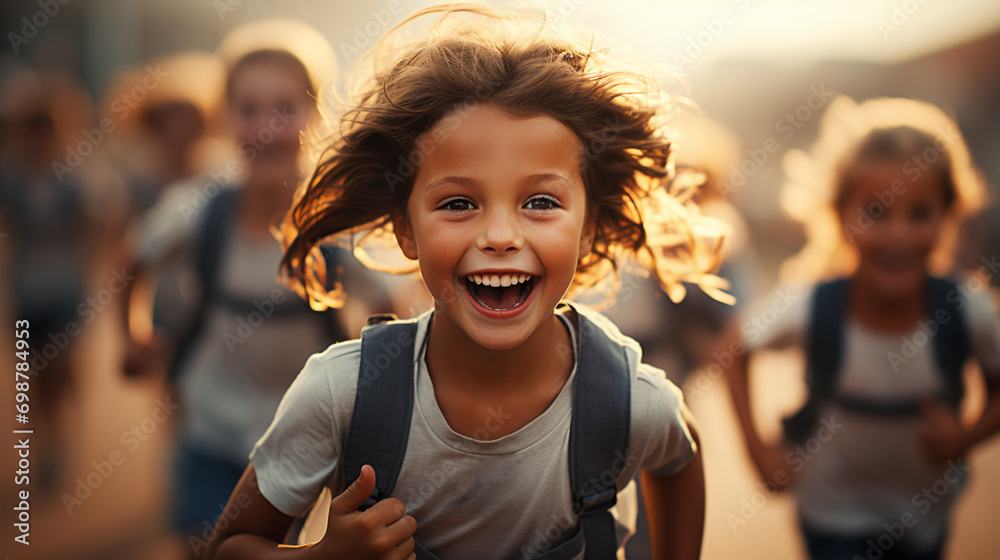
(587, 237)
(404, 236)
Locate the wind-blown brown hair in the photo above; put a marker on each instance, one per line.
(365, 174)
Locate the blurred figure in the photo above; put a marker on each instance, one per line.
(245, 337)
(163, 114)
(677, 337)
(53, 183)
(875, 458)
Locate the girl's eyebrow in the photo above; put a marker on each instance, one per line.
(543, 177)
(452, 179)
(470, 182)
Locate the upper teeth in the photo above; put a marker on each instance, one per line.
(498, 281)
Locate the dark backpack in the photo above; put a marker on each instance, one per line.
(209, 252)
(599, 431)
(825, 349)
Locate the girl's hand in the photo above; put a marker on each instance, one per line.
(383, 532)
(772, 466)
(941, 434)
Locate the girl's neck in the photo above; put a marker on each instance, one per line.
(259, 205)
(544, 360)
(895, 314)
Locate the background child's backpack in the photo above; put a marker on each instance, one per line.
(209, 251)
(825, 349)
(599, 430)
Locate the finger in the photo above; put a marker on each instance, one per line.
(402, 529)
(386, 512)
(404, 550)
(355, 495)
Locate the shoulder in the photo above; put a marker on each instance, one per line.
(336, 365)
(777, 319)
(177, 216)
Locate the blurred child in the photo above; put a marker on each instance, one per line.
(246, 336)
(163, 114)
(885, 341)
(535, 164)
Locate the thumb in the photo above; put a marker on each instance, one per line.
(355, 495)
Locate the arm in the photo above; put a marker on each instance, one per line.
(255, 531)
(944, 437)
(675, 507)
(989, 422)
(768, 460)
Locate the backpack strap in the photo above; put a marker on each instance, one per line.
(209, 255)
(599, 432)
(952, 341)
(210, 244)
(824, 346)
(599, 435)
(383, 405)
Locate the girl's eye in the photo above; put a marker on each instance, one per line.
(542, 203)
(286, 108)
(456, 205)
(921, 213)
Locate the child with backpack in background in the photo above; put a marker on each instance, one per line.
(885, 340)
(513, 166)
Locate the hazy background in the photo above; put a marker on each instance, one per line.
(749, 64)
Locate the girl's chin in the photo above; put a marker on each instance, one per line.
(894, 285)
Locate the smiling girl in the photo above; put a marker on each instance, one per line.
(881, 192)
(536, 166)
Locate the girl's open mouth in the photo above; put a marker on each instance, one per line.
(500, 292)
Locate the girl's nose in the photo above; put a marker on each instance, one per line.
(500, 234)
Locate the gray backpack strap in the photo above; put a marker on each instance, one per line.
(599, 436)
(599, 433)
(380, 424)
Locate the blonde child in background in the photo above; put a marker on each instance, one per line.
(880, 195)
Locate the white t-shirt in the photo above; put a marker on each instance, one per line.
(500, 498)
(871, 471)
(245, 357)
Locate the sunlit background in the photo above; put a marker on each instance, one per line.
(764, 68)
